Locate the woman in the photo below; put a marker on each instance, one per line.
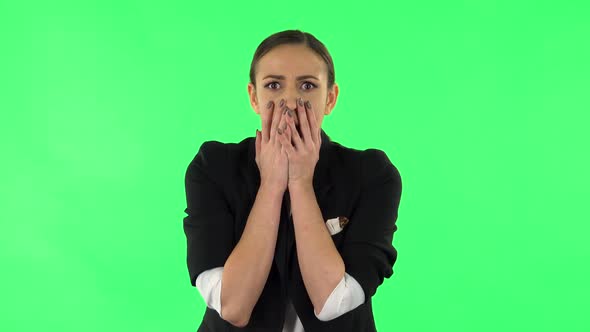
(290, 231)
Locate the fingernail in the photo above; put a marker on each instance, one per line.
(279, 131)
(300, 101)
(282, 103)
(269, 104)
(290, 113)
(308, 104)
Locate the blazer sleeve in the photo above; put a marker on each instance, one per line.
(208, 225)
(367, 249)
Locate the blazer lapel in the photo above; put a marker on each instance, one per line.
(322, 183)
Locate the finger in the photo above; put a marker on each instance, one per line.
(286, 141)
(300, 106)
(279, 129)
(304, 123)
(282, 125)
(295, 117)
(294, 134)
(276, 118)
(284, 116)
(281, 134)
(266, 121)
(313, 124)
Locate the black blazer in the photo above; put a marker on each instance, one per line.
(221, 185)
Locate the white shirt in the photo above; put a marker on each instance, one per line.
(347, 295)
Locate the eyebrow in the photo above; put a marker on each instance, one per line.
(281, 77)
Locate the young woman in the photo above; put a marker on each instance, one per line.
(290, 231)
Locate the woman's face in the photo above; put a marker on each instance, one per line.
(278, 77)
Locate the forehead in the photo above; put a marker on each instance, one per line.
(291, 60)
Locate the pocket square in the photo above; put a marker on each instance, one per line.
(335, 225)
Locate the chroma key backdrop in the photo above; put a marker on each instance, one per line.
(481, 105)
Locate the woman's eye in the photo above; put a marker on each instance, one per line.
(309, 84)
(304, 83)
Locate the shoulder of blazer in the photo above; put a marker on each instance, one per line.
(376, 165)
(237, 153)
(210, 159)
(369, 161)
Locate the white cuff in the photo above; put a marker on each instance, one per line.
(209, 285)
(346, 296)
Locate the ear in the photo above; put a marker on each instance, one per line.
(253, 98)
(331, 99)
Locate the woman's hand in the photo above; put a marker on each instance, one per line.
(304, 153)
(271, 157)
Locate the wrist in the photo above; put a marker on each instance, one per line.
(300, 185)
(272, 189)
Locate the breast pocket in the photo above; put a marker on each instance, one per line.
(336, 227)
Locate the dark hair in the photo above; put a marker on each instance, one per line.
(293, 37)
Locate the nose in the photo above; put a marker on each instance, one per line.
(291, 101)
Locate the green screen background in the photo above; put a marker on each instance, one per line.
(481, 105)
